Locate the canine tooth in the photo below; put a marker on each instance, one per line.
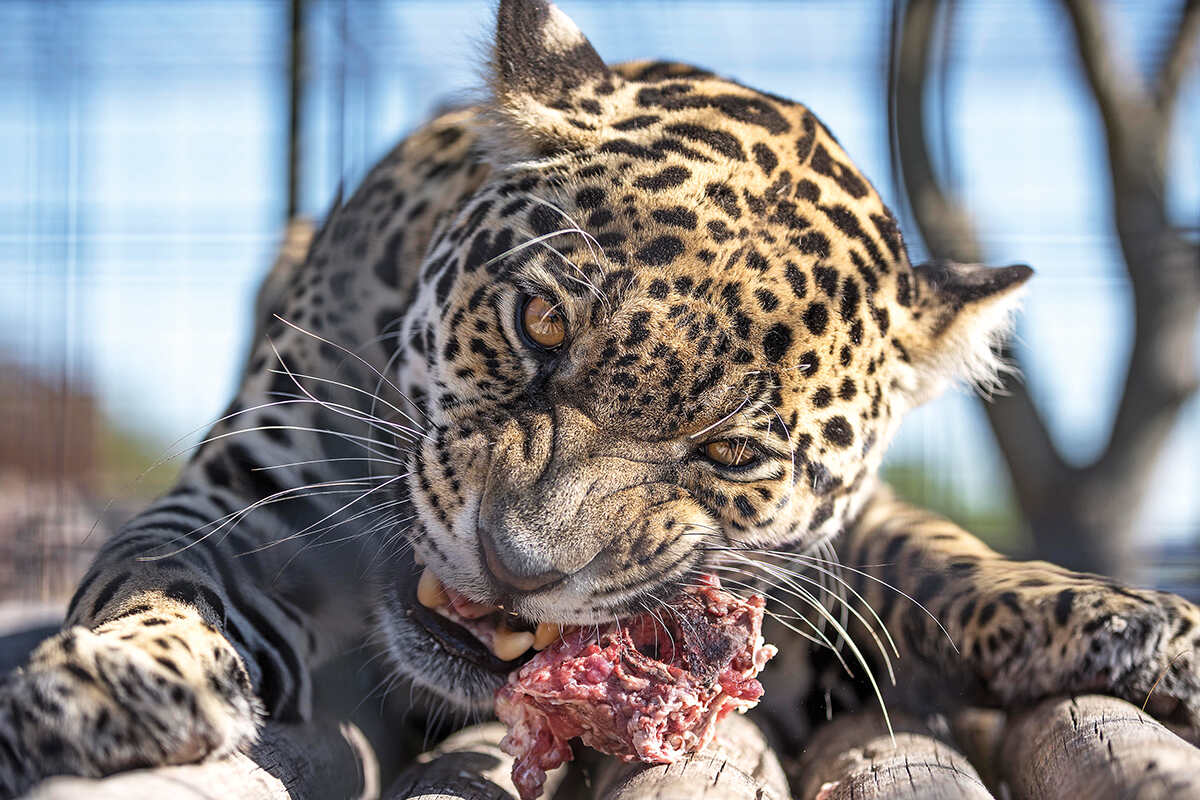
(546, 633)
(508, 644)
(430, 592)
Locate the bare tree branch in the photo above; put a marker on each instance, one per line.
(1082, 516)
(945, 227)
(1178, 58)
(1161, 264)
(948, 232)
(1023, 437)
(1118, 91)
(1137, 116)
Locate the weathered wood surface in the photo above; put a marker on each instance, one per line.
(1097, 748)
(854, 758)
(467, 766)
(737, 765)
(317, 760)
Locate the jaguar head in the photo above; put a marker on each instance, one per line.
(674, 319)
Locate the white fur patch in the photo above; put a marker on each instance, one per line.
(966, 352)
(560, 34)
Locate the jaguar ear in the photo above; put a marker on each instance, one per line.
(540, 61)
(962, 314)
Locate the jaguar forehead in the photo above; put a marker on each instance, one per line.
(742, 248)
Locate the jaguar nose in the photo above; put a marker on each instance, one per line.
(503, 564)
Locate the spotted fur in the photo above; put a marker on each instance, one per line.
(724, 273)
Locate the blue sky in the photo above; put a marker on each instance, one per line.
(141, 180)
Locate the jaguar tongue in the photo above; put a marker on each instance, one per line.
(649, 688)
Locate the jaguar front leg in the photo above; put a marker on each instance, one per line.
(1006, 632)
(156, 686)
(145, 673)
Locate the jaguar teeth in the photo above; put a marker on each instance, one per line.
(546, 633)
(505, 642)
(508, 644)
(430, 591)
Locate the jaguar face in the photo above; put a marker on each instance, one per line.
(673, 320)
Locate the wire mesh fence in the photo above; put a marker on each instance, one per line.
(150, 153)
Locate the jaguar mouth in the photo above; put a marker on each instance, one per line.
(487, 636)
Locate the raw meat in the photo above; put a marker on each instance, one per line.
(650, 688)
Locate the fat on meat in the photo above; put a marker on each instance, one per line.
(649, 688)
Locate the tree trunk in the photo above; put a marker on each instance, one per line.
(1081, 517)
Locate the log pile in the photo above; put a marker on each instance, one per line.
(1092, 747)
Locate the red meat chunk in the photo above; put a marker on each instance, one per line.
(650, 688)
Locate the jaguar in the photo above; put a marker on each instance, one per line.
(562, 352)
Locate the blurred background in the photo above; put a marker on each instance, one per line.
(151, 152)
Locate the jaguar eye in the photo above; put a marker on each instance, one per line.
(730, 452)
(542, 325)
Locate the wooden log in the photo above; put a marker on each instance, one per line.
(467, 766)
(318, 760)
(737, 765)
(1093, 747)
(854, 757)
(1099, 748)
